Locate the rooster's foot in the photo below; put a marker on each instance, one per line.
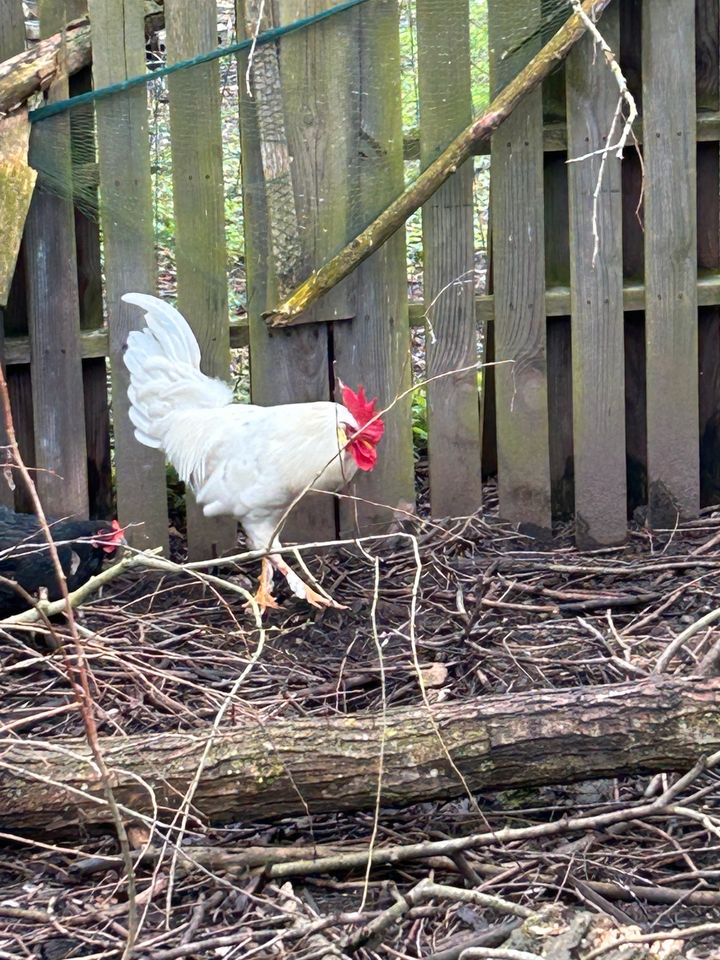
(320, 600)
(304, 591)
(264, 598)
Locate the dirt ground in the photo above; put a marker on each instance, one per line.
(488, 611)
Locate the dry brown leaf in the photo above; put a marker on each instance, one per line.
(435, 675)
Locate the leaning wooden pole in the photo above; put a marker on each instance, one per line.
(287, 767)
(63, 53)
(393, 217)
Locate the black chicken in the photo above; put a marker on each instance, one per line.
(82, 546)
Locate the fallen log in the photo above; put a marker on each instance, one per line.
(284, 767)
(66, 52)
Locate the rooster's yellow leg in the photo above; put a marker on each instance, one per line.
(264, 597)
(304, 590)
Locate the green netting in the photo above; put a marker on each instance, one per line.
(330, 128)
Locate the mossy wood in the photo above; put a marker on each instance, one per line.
(448, 262)
(199, 208)
(12, 40)
(598, 357)
(396, 213)
(124, 165)
(328, 764)
(670, 205)
(54, 314)
(17, 181)
(518, 267)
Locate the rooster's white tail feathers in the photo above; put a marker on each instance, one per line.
(165, 376)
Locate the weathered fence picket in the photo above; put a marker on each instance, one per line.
(90, 293)
(596, 297)
(54, 318)
(198, 200)
(671, 318)
(375, 344)
(124, 168)
(519, 292)
(320, 139)
(451, 341)
(288, 366)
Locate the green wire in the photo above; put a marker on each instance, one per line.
(60, 106)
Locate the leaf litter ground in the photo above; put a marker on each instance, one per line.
(496, 613)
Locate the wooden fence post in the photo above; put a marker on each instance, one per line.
(596, 297)
(286, 366)
(374, 347)
(317, 106)
(90, 293)
(671, 320)
(124, 166)
(199, 205)
(54, 316)
(448, 262)
(519, 287)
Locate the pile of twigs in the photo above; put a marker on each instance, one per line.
(479, 609)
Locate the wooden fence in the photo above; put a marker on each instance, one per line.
(612, 398)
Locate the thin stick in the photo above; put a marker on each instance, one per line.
(682, 638)
(383, 735)
(77, 675)
(428, 890)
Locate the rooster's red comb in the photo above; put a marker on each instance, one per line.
(364, 411)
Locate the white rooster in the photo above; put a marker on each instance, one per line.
(239, 459)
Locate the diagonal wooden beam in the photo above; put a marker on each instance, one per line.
(290, 311)
(67, 51)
